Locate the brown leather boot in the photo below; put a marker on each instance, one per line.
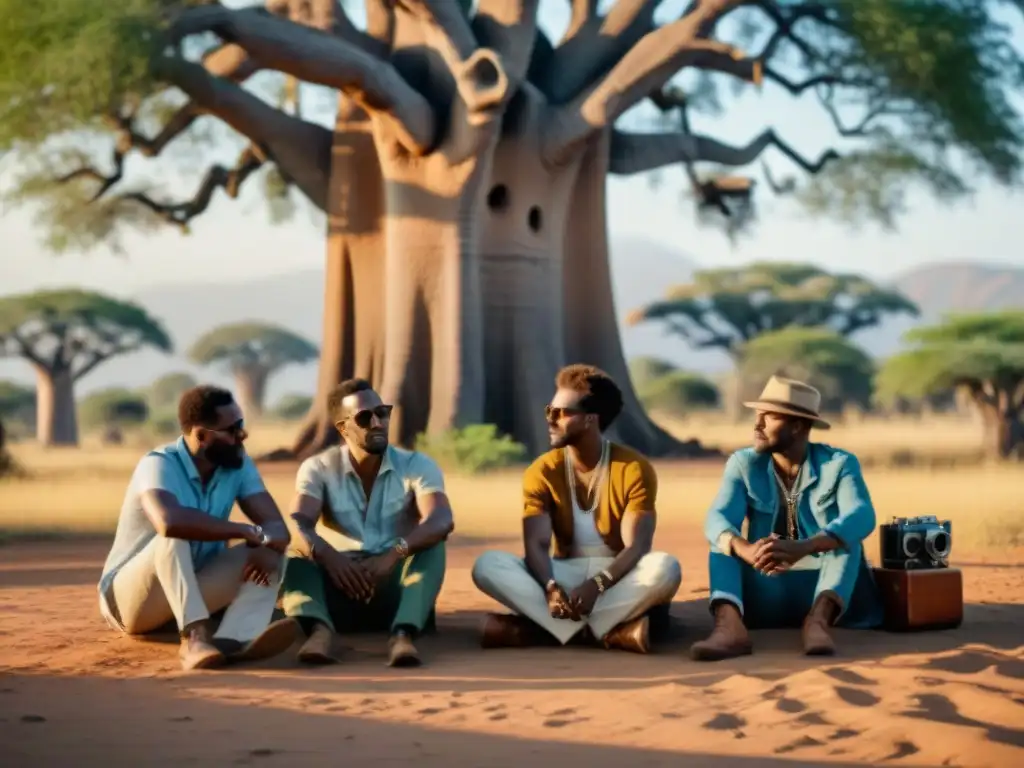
(197, 650)
(816, 638)
(727, 640)
(401, 651)
(633, 636)
(509, 630)
(319, 648)
(276, 638)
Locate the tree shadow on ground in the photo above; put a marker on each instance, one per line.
(97, 721)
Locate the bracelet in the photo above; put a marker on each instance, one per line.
(402, 548)
(552, 584)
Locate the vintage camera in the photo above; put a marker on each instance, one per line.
(915, 543)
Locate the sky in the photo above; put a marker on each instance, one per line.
(234, 237)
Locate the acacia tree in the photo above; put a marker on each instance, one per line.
(727, 308)
(65, 335)
(253, 352)
(464, 177)
(981, 353)
(839, 369)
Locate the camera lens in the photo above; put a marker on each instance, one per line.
(912, 545)
(937, 544)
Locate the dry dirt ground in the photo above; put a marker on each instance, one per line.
(73, 693)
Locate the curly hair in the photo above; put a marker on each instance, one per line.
(198, 406)
(601, 395)
(343, 390)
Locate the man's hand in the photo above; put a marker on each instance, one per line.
(260, 566)
(347, 574)
(583, 598)
(775, 555)
(559, 604)
(380, 566)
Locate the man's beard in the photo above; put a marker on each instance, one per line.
(375, 445)
(226, 456)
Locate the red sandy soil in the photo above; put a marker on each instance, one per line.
(74, 693)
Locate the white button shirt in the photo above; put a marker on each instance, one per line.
(371, 524)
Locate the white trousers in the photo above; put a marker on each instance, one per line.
(504, 577)
(160, 583)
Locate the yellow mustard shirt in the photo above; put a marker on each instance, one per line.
(631, 486)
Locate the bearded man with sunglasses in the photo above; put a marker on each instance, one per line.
(391, 503)
(596, 500)
(170, 560)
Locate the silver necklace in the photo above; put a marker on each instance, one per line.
(594, 486)
(791, 497)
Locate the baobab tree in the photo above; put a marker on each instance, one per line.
(253, 352)
(65, 335)
(464, 176)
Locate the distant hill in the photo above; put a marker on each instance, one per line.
(641, 270)
(963, 287)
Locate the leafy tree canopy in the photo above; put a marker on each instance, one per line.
(725, 308)
(825, 359)
(17, 401)
(983, 352)
(679, 392)
(919, 92)
(113, 407)
(166, 390)
(252, 346)
(73, 331)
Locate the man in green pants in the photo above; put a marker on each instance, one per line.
(392, 503)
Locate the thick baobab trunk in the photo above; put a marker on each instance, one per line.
(56, 419)
(251, 390)
(591, 329)
(522, 275)
(1004, 432)
(353, 309)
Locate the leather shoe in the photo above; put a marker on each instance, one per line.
(633, 636)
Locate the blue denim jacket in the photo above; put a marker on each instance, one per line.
(834, 497)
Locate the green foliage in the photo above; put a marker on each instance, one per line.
(168, 389)
(252, 346)
(17, 403)
(473, 449)
(679, 392)
(724, 308)
(920, 93)
(163, 423)
(292, 406)
(643, 370)
(84, 327)
(982, 351)
(840, 370)
(113, 407)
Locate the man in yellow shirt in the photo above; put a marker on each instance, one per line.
(596, 500)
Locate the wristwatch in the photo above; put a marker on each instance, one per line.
(402, 548)
(603, 581)
(552, 584)
(263, 535)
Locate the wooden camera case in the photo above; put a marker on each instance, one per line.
(917, 600)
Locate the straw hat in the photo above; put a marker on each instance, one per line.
(791, 397)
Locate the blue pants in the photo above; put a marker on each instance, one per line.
(784, 600)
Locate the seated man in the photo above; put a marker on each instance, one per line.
(597, 499)
(389, 500)
(169, 558)
(808, 512)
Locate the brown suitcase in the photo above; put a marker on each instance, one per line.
(918, 600)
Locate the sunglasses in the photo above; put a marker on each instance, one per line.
(554, 413)
(234, 430)
(363, 419)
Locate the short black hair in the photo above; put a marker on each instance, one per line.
(601, 395)
(198, 406)
(343, 390)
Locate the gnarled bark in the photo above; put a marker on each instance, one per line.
(56, 417)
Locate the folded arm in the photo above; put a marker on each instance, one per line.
(856, 519)
(259, 506)
(729, 509)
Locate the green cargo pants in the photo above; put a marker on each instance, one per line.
(406, 599)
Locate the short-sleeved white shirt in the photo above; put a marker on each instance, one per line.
(376, 522)
(170, 468)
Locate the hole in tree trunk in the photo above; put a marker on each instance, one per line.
(534, 218)
(497, 198)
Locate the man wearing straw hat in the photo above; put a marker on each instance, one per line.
(808, 511)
